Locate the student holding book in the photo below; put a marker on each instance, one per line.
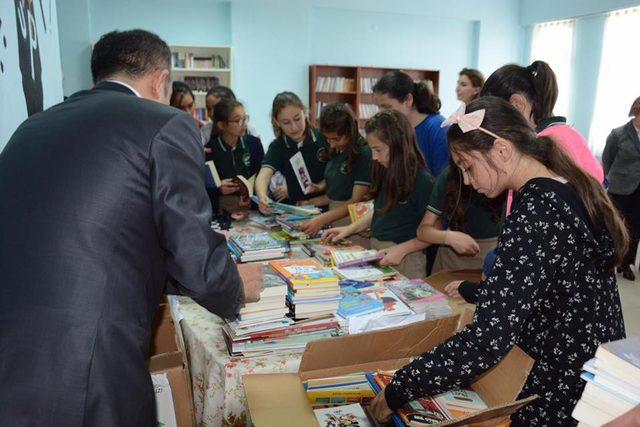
(396, 90)
(347, 172)
(552, 290)
(464, 222)
(295, 140)
(234, 153)
(401, 185)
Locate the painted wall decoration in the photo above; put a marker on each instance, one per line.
(30, 71)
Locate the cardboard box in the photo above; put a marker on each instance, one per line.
(279, 399)
(167, 355)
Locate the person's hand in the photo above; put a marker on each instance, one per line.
(312, 226)
(264, 205)
(314, 188)
(280, 193)
(452, 289)
(252, 276)
(392, 256)
(462, 243)
(379, 408)
(334, 235)
(228, 186)
(207, 150)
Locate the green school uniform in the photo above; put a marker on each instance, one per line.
(340, 181)
(314, 151)
(479, 217)
(400, 223)
(232, 161)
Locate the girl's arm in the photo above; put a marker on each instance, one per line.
(336, 234)
(430, 231)
(314, 225)
(262, 187)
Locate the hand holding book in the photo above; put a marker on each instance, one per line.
(229, 186)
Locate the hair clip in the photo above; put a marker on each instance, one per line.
(469, 121)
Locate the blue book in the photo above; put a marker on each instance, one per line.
(354, 304)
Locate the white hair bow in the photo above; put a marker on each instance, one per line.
(469, 121)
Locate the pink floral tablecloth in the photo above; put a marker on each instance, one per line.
(218, 393)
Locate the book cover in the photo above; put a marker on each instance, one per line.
(620, 357)
(300, 272)
(357, 304)
(393, 306)
(343, 258)
(256, 241)
(211, 177)
(420, 296)
(460, 403)
(301, 172)
(342, 416)
(359, 210)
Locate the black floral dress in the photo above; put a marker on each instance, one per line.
(551, 292)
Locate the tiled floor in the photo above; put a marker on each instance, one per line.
(630, 296)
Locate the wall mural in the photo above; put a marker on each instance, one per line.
(30, 71)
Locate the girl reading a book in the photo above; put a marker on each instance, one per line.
(552, 290)
(234, 154)
(401, 185)
(347, 172)
(397, 90)
(462, 221)
(294, 135)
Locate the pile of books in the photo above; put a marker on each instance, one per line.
(367, 84)
(421, 297)
(612, 383)
(256, 247)
(366, 272)
(313, 290)
(290, 226)
(344, 258)
(354, 388)
(368, 110)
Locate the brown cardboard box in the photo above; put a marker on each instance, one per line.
(280, 399)
(167, 355)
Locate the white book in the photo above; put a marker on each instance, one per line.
(301, 171)
(589, 415)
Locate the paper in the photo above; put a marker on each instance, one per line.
(164, 400)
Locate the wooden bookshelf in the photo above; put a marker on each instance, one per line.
(200, 67)
(352, 85)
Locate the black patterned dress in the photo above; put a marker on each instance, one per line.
(551, 292)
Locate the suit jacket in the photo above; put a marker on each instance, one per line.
(621, 159)
(102, 199)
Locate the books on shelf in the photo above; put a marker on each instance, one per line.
(368, 110)
(202, 84)
(191, 60)
(612, 386)
(421, 297)
(319, 106)
(339, 416)
(335, 84)
(367, 84)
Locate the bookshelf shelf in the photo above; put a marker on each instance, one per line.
(200, 70)
(328, 77)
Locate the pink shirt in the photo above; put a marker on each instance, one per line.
(576, 147)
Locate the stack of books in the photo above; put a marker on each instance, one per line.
(430, 410)
(256, 247)
(313, 290)
(366, 273)
(353, 388)
(421, 297)
(272, 304)
(612, 383)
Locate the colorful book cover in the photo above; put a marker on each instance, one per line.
(416, 293)
(358, 304)
(359, 210)
(256, 241)
(343, 258)
(393, 306)
(303, 272)
(460, 403)
(342, 416)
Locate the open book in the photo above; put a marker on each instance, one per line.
(212, 180)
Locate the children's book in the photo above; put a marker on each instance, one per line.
(342, 416)
(213, 181)
(460, 403)
(393, 306)
(343, 258)
(420, 296)
(359, 210)
(256, 242)
(365, 272)
(304, 272)
(357, 303)
(301, 171)
(341, 390)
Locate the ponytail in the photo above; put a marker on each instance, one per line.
(399, 85)
(545, 89)
(600, 209)
(424, 100)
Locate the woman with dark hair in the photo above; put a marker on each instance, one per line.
(469, 84)
(347, 175)
(182, 98)
(234, 153)
(215, 95)
(401, 185)
(552, 290)
(416, 100)
(621, 159)
(533, 90)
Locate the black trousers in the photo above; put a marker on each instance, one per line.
(629, 208)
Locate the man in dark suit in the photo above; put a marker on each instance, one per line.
(102, 201)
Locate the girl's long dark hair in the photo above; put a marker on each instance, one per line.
(340, 119)
(405, 157)
(399, 85)
(221, 113)
(504, 120)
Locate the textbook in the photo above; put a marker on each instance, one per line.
(343, 258)
(342, 416)
(213, 181)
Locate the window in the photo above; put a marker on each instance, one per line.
(552, 42)
(618, 82)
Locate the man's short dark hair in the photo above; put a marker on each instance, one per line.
(134, 53)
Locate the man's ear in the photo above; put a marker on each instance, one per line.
(161, 86)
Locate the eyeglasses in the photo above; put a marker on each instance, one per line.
(243, 120)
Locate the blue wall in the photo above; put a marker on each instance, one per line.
(587, 49)
(13, 109)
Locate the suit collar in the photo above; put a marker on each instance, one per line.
(115, 86)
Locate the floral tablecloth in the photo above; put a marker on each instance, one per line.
(218, 393)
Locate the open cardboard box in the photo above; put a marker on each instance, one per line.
(167, 355)
(280, 399)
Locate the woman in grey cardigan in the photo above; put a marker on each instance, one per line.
(621, 158)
